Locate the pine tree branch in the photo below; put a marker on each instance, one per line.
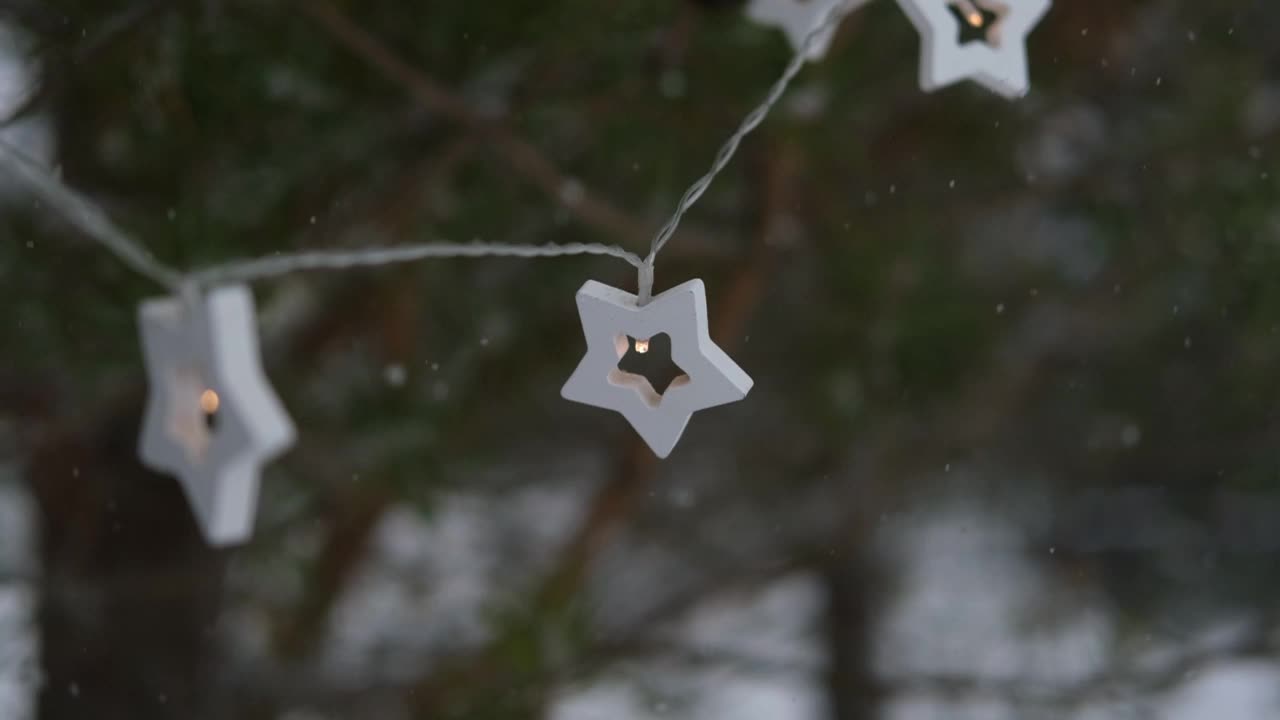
(524, 157)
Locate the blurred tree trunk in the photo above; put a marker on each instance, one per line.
(852, 581)
(129, 590)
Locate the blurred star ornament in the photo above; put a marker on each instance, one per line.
(980, 40)
(710, 376)
(212, 418)
(798, 18)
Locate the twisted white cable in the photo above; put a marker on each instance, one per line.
(753, 119)
(86, 216)
(274, 266)
(93, 222)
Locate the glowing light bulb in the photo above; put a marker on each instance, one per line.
(969, 10)
(209, 402)
(642, 346)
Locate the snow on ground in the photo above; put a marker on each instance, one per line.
(975, 607)
(971, 606)
(1228, 690)
(19, 645)
(19, 669)
(31, 135)
(432, 581)
(746, 657)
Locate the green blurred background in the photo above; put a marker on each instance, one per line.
(1011, 450)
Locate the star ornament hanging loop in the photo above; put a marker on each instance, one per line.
(212, 418)
(980, 40)
(609, 316)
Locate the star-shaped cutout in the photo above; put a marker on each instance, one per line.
(212, 418)
(710, 378)
(999, 61)
(977, 21)
(798, 18)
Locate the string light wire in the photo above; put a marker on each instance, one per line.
(87, 217)
(285, 264)
(93, 221)
(834, 15)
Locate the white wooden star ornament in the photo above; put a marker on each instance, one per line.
(211, 419)
(710, 378)
(798, 18)
(980, 40)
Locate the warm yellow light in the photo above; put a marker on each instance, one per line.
(642, 346)
(969, 10)
(209, 402)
